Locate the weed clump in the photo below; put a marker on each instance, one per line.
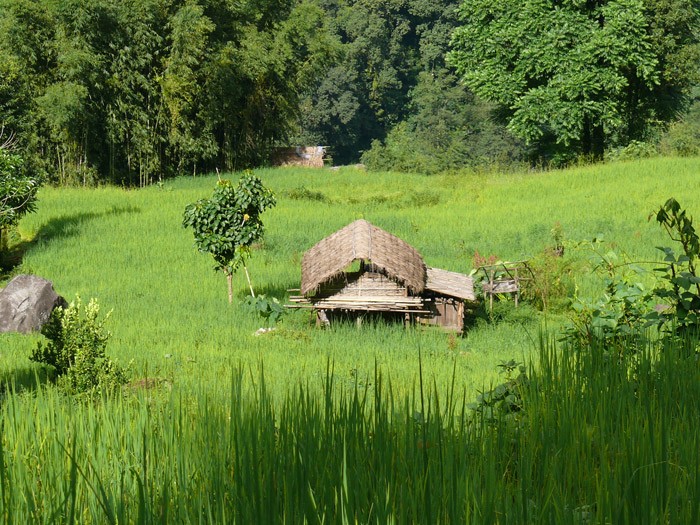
(302, 193)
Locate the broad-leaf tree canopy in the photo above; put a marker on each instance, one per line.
(581, 74)
(133, 91)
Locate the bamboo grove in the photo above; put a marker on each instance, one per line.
(134, 91)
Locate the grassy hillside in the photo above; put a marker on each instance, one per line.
(127, 249)
(309, 425)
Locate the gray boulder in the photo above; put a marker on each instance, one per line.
(26, 304)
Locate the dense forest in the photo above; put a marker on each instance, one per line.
(133, 91)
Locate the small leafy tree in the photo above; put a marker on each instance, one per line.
(228, 224)
(76, 345)
(503, 403)
(17, 193)
(617, 320)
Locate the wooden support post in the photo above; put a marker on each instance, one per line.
(322, 318)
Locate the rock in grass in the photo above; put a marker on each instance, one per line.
(26, 304)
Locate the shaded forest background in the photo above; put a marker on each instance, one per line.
(135, 91)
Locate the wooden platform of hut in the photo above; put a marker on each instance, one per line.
(362, 268)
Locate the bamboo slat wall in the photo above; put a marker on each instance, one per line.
(362, 284)
(370, 304)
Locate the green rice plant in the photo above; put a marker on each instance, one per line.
(591, 444)
(367, 425)
(126, 248)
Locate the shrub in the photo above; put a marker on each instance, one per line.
(634, 150)
(503, 402)
(683, 137)
(302, 193)
(627, 312)
(268, 308)
(549, 283)
(76, 350)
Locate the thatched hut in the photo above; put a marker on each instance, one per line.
(364, 268)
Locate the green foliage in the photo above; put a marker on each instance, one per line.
(267, 308)
(617, 320)
(355, 450)
(633, 150)
(136, 91)
(503, 402)
(448, 129)
(17, 192)
(228, 224)
(683, 136)
(14, 93)
(77, 339)
(190, 134)
(550, 281)
(302, 193)
(623, 317)
(384, 47)
(679, 273)
(578, 78)
(287, 448)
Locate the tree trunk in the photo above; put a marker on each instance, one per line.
(593, 139)
(598, 142)
(229, 282)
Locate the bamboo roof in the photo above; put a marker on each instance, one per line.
(361, 240)
(450, 283)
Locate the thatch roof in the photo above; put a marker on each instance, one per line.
(450, 283)
(361, 240)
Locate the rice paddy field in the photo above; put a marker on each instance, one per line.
(348, 424)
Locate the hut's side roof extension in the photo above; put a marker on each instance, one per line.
(361, 240)
(450, 283)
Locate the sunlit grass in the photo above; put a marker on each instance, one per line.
(127, 249)
(593, 444)
(220, 424)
